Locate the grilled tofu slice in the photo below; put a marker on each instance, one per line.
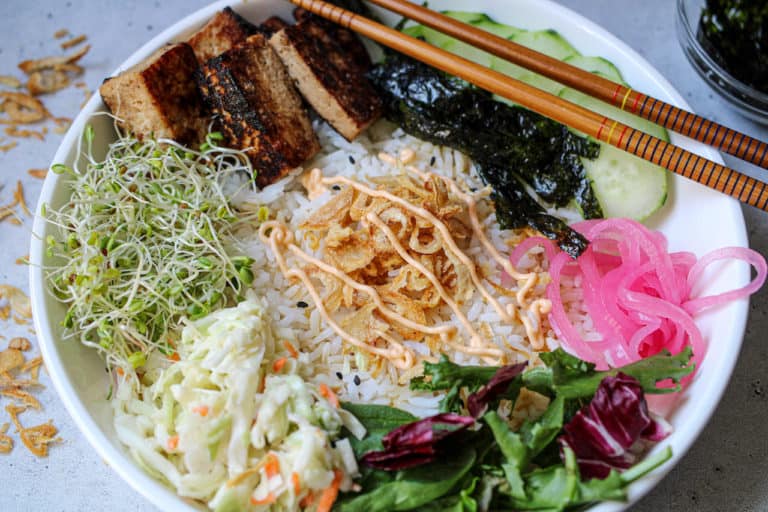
(158, 97)
(222, 32)
(349, 42)
(257, 108)
(272, 24)
(330, 82)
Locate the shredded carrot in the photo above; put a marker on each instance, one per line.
(307, 500)
(278, 364)
(202, 410)
(173, 442)
(328, 394)
(330, 493)
(174, 357)
(120, 371)
(296, 483)
(270, 498)
(272, 465)
(290, 348)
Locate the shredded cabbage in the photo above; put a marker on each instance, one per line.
(219, 426)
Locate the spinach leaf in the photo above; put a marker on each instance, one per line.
(378, 421)
(519, 448)
(570, 381)
(445, 375)
(414, 487)
(461, 502)
(573, 378)
(552, 488)
(538, 434)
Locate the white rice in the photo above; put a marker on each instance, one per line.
(287, 199)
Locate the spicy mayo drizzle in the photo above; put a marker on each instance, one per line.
(280, 239)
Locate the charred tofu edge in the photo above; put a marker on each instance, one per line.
(257, 108)
(222, 32)
(158, 97)
(337, 90)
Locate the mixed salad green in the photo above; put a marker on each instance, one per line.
(582, 449)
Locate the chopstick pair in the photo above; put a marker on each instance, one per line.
(680, 161)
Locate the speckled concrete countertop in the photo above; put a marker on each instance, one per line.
(724, 471)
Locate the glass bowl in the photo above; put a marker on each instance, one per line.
(745, 99)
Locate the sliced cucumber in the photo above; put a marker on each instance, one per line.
(525, 75)
(625, 185)
(505, 31)
(473, 18)
(596, 65)
(469, 52)
(548, 42)
(484, 22)
(457, 47)
(600, 107)
(450, 44)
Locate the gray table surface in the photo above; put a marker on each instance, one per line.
(724, 471)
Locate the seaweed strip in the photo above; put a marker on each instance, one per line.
(513, 148)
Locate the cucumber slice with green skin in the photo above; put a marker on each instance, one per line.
(457, 47)
(525, 75)
(597, 65)
(469, 52)
(625, 185)
(450, 44)
(484, 22)
(612, 112)
(548, 42)
(473, 18)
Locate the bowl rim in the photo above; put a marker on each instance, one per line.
(691, 44)
(163, 497)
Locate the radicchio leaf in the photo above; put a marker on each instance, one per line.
(602, 433)
(418, 442)
(477, 402)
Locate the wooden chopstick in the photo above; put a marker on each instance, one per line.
(676, 119)
(680, 161)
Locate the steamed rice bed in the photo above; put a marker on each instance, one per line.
(379, 382)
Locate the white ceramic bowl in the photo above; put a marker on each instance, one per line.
(696, 219)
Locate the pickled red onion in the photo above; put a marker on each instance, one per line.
(637, 294)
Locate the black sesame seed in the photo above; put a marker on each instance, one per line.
(339, 375)
(432, 161)
(333, 443)
(356, 380)
(336, 187)
(302, 304)
(351, 160)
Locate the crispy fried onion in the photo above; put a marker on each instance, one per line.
(21, 108)
(17, 300)
(51, 74)
(393, 256)
(6, 443)
(36, 438)
(30, 66)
